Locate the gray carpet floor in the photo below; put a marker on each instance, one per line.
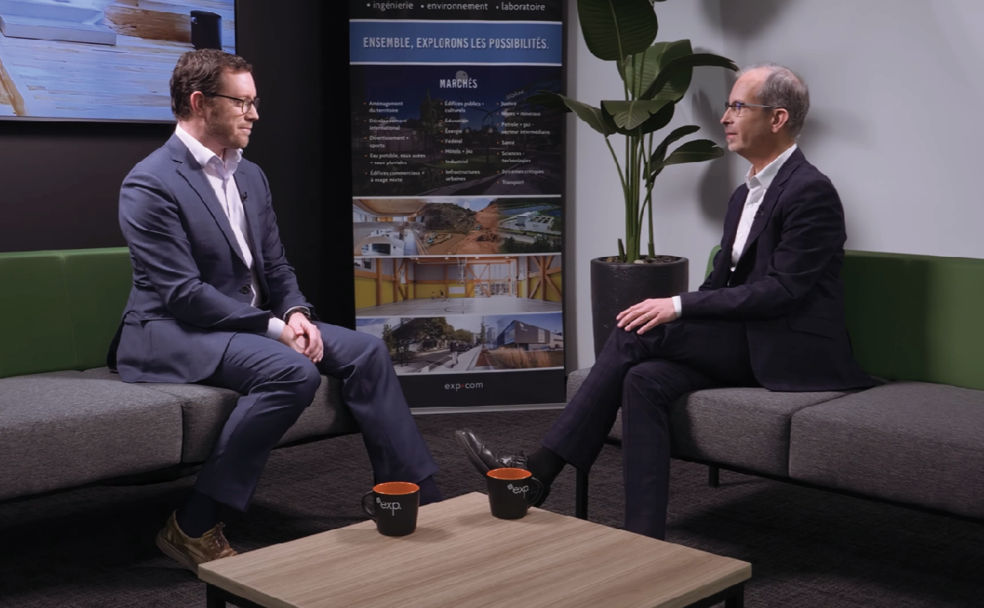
(94, 547)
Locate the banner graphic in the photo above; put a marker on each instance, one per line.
(458, 210)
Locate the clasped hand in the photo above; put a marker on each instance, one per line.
(303, 336)
(647, 314)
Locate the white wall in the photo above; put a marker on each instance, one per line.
(897, 91)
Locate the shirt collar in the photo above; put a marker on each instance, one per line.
(203, 156)
(764, 177)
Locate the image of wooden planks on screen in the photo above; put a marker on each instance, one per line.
(102, 59)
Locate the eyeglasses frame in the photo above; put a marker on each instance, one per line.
(253, 103)
(742, 105)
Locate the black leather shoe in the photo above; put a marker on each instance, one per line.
(482, 458)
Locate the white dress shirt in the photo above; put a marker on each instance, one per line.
(758, 184)
(220, 172)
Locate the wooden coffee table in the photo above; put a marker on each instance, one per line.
(462, 556)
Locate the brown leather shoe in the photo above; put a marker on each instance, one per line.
(190, 552)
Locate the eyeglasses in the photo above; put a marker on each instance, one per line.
(243, 104)
(737, 107)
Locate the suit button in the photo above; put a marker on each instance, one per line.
(244, 289)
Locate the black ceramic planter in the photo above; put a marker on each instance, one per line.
(616, 286)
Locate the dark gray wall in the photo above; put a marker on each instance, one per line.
(59, 182)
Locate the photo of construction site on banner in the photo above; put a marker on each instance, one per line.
(470, 343)
(458, 285)
(409, 227)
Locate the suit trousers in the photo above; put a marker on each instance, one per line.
(644, 375)
(277, 384)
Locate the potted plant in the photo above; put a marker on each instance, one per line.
(655, 76)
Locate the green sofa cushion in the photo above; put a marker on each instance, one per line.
(35, 327)
(99, 283)
(915, 317)
(60, 309)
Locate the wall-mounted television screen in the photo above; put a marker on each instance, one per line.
(102, 59)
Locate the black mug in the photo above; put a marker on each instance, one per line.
(512, 491)
(394, 507)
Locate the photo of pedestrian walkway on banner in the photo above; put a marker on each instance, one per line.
(456, 226)
(470, 343)
(459, 285)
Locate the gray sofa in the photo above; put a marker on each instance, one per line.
(918, 440)
(66, 420)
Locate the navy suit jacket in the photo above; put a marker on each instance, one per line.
(191, 287)
(787, 286)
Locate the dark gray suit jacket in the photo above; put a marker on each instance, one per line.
(787, 286)
(191, 290)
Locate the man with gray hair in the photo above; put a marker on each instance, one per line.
(770, 314)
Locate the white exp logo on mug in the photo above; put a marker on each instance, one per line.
(392, 507)
(519, 489)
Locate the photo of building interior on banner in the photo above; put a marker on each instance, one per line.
(458, 285)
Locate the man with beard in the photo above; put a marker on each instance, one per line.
(214, 301)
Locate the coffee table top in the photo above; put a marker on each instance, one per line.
(462, 556)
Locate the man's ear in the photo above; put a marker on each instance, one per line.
(197, 103)
(779, 119)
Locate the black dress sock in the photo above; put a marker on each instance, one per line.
(199, 515)
(545, 465)
(429, 492)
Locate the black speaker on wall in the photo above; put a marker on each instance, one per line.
(206, 30)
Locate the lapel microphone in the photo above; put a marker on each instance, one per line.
(244, 195)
